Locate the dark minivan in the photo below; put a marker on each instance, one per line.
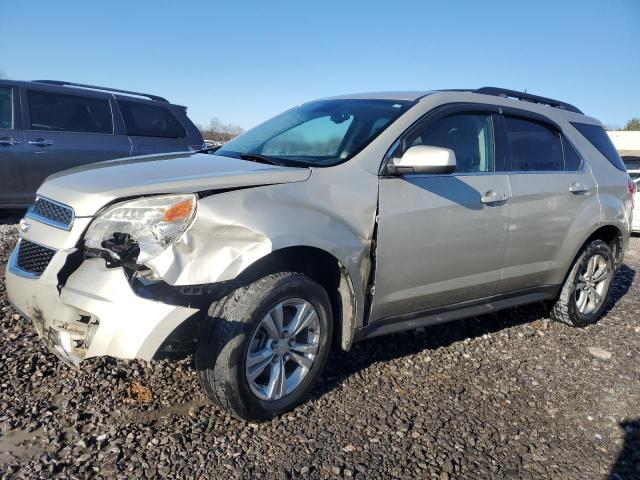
(47, 126)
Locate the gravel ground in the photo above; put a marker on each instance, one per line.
(511, 395)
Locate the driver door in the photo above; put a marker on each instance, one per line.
(441, 237)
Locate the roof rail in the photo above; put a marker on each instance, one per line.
(106, 89)
(527, 97)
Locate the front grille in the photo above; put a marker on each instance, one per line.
(51, 212)
(33, 258)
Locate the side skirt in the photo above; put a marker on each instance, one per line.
(457, 311)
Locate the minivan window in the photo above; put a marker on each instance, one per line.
(469, 135)
(68, 113)
(533, 146)
(599, 139)
(572, 159)
(6, 108)
(633, 167)
(144, 120)
(321, 133)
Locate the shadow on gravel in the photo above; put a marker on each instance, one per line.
(627, 464)
(383, 349)
(11, 217)
(621, 285)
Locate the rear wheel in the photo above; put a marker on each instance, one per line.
(584, 294)
(263, 346)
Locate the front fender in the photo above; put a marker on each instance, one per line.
(233, 230)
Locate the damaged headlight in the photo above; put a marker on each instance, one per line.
(146, 226)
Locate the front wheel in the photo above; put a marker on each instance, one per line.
(584, 294)
(263, 346)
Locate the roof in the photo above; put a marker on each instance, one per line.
(407, 95)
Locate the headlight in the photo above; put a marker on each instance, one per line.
(150, 224)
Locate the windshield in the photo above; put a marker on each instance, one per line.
(322, 133)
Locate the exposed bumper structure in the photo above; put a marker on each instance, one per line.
(96, 313)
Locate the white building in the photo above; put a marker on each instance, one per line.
(627, 144)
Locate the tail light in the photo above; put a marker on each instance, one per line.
(633, 189)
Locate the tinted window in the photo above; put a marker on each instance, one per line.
(470, 136)
(144, 120)
(321, 133)
(320, 137)
(599, 139)
(572, 160)
(69, 113)
(633, 167)
(532, 146)
(6, 108)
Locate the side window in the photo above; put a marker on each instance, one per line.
(319, 137)
(572, 160)
(68, 113)
(532, 146)
(144, 120)
(633, 167)
(6, 108)
(469, 135)
(599, 139)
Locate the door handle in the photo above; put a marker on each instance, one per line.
(9, 141)
(493, 197)
(578, 188)
(40, 142)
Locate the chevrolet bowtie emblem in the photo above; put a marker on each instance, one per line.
(24, 226)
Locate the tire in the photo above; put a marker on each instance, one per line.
(237, 332)
(569, 307)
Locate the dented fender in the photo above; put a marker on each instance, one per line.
(233, 230)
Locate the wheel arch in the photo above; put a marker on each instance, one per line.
(608, 233)
(325, 269)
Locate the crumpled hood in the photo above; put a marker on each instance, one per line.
(90, 187)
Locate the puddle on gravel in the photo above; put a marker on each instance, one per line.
(10, 444)
(180, 410)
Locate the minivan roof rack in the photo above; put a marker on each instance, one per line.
(526, 97)
(106, 89)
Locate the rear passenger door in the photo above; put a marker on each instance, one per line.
(552, 192)
(65, 130)
(152, 128)
(11, 147)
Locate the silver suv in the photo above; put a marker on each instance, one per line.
(339, 220)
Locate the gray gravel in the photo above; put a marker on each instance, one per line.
(511, 395)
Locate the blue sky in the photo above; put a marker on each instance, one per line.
(246, 61)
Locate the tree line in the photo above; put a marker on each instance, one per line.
(219, 131)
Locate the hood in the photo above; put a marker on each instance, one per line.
(90, 187)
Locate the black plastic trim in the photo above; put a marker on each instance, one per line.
(527, 97)
(457, 311)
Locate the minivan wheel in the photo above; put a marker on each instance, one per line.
(584, 294)
(263, 346)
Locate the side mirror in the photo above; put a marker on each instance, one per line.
(423, 159)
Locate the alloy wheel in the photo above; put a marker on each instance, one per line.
(283, 349)
(592, 284)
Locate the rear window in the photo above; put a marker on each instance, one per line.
(144, 120)
(599, 139)
(533, 146)
(68, 113)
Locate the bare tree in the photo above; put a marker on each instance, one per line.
(218, 131)
(2, 75)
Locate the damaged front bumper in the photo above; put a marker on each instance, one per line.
(95, 313)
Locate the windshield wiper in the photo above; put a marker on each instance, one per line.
(256, 157)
